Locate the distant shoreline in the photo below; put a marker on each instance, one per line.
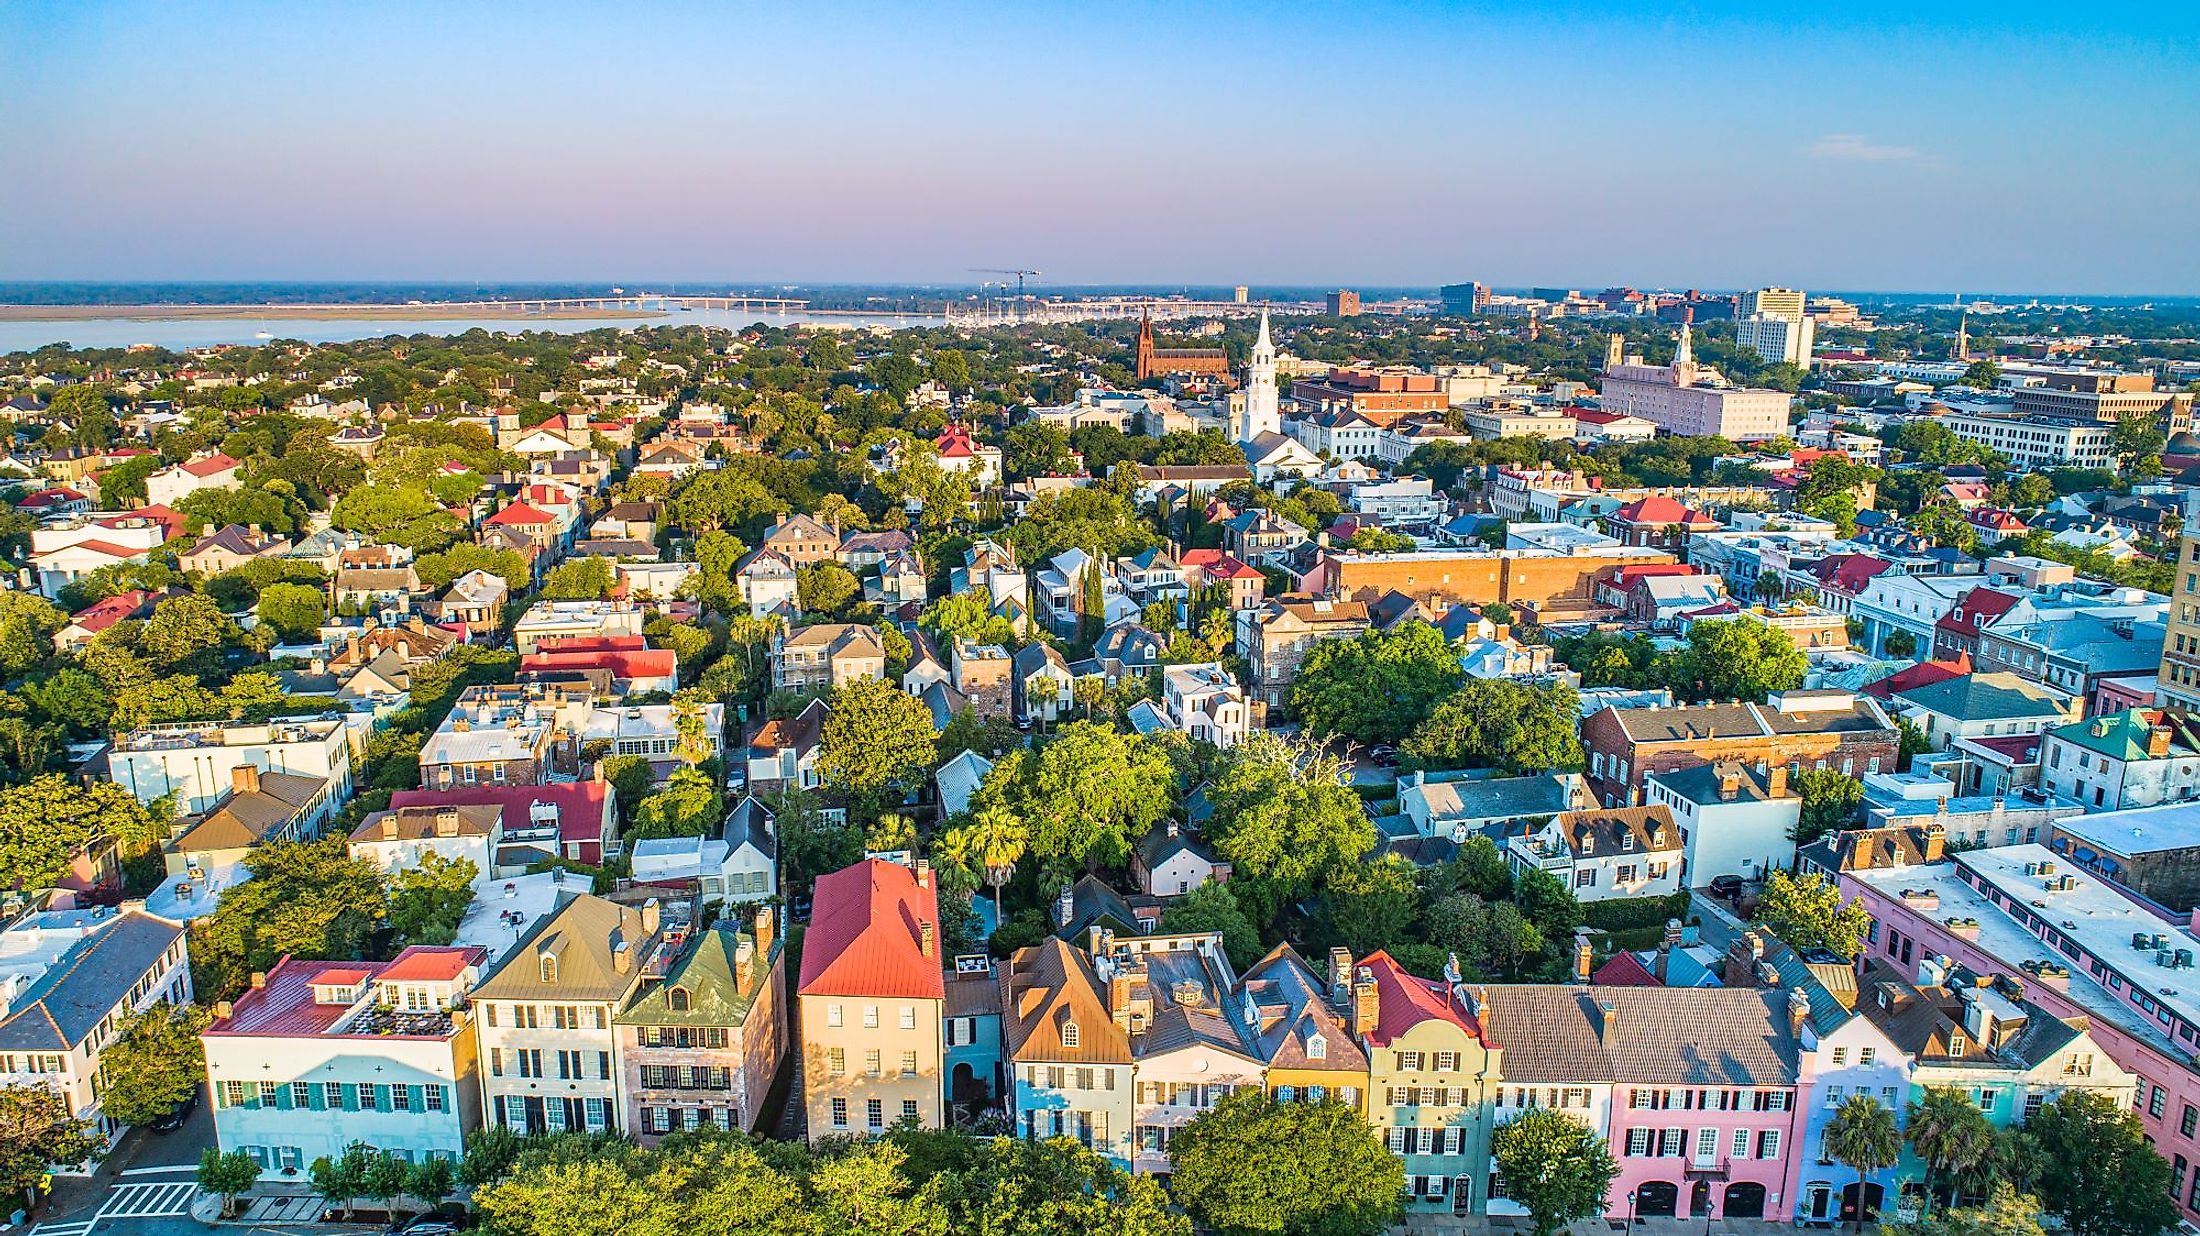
(429, 311)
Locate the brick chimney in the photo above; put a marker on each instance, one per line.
(245, 779)
(1584, 957)
(1776, 781)
(1798, 1013)
(928, 938)
(2158, 742)
(1607, 1022)
(1367, 1005)
(652, 917)
(446, 822)
(1730, 782)
(766, 926)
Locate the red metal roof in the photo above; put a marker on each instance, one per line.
(1923, 674)
(1973, 609)
(1624, 970)
(580, 804)
(1405, 1001)
(1659, 509)
(520, 513)
(866, 933)
(210, 465)
(623, 663)
(425, 964)
(1850, 572)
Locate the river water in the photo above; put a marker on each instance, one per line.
(177, 334)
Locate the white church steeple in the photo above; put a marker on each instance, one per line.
(1261, 413)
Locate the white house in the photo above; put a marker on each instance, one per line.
(194, 761)
(1605, 853)
(1272, 455)
(1204, 702)
(2141, 757)
(1734, 820)
(173, 484)
(1459, 807)
(321, 1054)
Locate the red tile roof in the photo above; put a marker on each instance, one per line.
(100, 615)
(580, 804)
(1923, 674)
(865, 935)
(1405, 1001)
(1231, 568)
(210, 465)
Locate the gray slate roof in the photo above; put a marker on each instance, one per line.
(80, 989)
(1658, 1035)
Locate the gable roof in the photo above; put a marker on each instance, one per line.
(1922, 674)
(585, 934)
(1985, 697)
(520, 514)
(866, 935)
(1692, 1036)
(84, 985)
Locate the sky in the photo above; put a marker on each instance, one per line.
(1919, 146)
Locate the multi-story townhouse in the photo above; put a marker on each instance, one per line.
(826, 654)
(68, 980)
(196, 761)
(1910, 604)
(319, 1055)
(1980, 1037)
(547, 1041)
(700, 1044)
(1202, 701)
(507, 734)
(1605, 853)
(1843, 1055)
(1734, 819)
(2081, 947)
(1275, 638)
(1069, 1057)
(1821, 729)
(1431, 1078)
(1703, 1088)
(872, 999)
(1302, 1033)
(2141, 757)
(1191, 1031)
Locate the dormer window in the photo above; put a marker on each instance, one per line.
(1317, 1047)
(677, 1000)
(549, 962)
(1069, 1034)
(1955, 1043)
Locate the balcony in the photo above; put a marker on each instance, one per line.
(1706, 1169)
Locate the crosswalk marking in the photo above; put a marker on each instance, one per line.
(148, 1201)
(64, 1229)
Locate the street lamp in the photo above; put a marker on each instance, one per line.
(1631, 1207)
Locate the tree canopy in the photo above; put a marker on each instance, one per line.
(1251, 1164)
(1377, 688)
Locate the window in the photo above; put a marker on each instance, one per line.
(366, 1097)
(434, 1096)
(832, 1014)
(909, 1017)
(1707, 1144)
(908, 1064)
(1840, 1056)
(1669, 1143)
(1317, 1047)
(1069, 1034)
(1768, 1143)
(333, 1096)
(1865, 1056)
(1741, 1144)
(549, 962)
(870, 1017)
(836, 1061)
(909, 1110)
(301, 1095)
(400, 1098)
(1638, 1143)
(2186, 1122)
(1586, 877)
(2157, 1103)
(871, 1062)
(268, 1093)
(677, 1000)
(840, 1113)
(1447, 1062)
(233, 1094)
(874, 1113)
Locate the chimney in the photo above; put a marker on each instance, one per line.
(259, 979)
(389, 827)
(1607, 1021)
(1730, 782)
(446, 822)
(1340, 977)
(224, 1010)
(766, 925)
(2158, 742)
(1798, 1013)
(1584, 957)
(652, 917)
(928, 938)
(1065, 906)
(1936, 843)
(245, 778)
(1776, 781)
(1367, 1006)
(1742, 957)
(744, 963)
(924, 873)
(1119, 994)
(622, 957)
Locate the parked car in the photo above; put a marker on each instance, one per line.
(1726, 887)
(437, 1223)
(176, 1117)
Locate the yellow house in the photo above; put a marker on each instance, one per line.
(1431, 1080)
(871, 997)
(1310, 1051)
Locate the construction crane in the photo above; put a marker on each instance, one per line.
(1020, 275)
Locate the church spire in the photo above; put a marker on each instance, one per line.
(1262, 413)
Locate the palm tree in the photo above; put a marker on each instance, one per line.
(993, 842)
(690, 728)
(1949, 1134)
(1862, 1136)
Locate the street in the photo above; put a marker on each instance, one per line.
(144, 1187)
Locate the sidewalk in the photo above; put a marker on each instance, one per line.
(1506, 1225)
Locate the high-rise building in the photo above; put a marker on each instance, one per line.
(1465, 297)
(1343, 304)
(1777, 339)
(1262, 414)
(1240, 293)
(1772, 323)
(2178, 683)
(1772, 302)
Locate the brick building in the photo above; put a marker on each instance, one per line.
(1806, 729)
(1538, 579)
(1154, 362)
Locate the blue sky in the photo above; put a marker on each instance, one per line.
(2009, 147)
